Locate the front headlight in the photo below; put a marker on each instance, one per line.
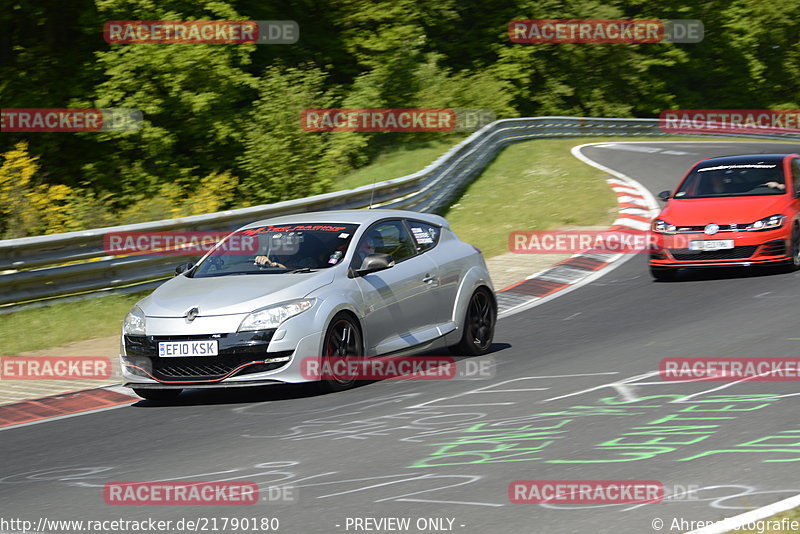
(134, 322)
(663, 227)
(274, 315)
(767, 223)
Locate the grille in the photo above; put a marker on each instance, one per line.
(211, 367)
(235, 350)
(736, 253)
(722, 228)
(774, 248)
(194, 368)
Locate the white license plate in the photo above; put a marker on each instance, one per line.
(185, 349)
(711, 244)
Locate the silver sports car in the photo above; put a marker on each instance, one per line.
(327, 285)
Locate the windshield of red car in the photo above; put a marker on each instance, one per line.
(745, 179)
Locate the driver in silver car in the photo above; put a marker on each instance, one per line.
(299, 253)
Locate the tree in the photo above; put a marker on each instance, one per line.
(194, 99)
(281, 161)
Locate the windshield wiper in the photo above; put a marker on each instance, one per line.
(302, 270)
(232, 273)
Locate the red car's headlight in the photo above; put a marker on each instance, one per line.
(767, 223)
(663, 227)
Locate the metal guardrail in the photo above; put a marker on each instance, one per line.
(42, 269)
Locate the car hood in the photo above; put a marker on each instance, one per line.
(228, 295)
(702, 211)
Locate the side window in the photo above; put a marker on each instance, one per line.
(796, 176)
(388, 237)
(425, 235)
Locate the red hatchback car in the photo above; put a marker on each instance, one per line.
(730, 211)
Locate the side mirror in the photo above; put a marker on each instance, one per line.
(375, 262)
(182, 268)
(664, 195)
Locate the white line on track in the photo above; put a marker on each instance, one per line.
(735, 522)
(619, 385)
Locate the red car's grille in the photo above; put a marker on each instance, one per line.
(736, 253)
(722, 228)
(774, 248)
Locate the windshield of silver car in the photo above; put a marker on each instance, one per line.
(275, 249)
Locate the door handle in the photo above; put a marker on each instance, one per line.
(429, 279)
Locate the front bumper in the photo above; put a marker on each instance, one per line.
(750, 248)
(247, 358)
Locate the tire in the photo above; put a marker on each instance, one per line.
(342, 339)
(479, 324)
(794, 264)
(159, 395)
(663, 274)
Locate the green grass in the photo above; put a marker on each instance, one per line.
(396, 163)
(790, 515)
(533, 185)
(61, 323)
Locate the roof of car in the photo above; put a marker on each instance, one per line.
(349, 217)
(742, 159)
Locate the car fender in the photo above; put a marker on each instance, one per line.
(331, 304)
(474, 278)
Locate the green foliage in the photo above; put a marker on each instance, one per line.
(24, 202)
(224, 119)
(194, 99)
(281, 160)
